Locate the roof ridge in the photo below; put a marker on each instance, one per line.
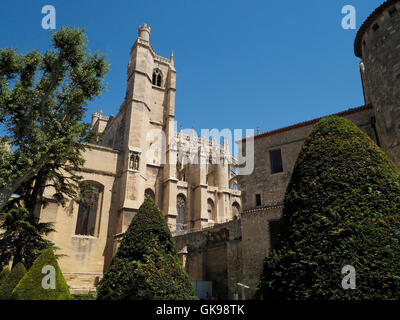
(309, 122)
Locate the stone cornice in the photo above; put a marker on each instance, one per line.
(140, 101)
(145, 44)
(157, 58)
(174, 180)
(158, 88)
(156, 123)
(202, 185)
(139, 72)
(267, 208)
(102, 148)
(101, 172)
(159, 166)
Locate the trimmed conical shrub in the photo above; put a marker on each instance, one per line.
(43, 281)
(4, 274)
(341, 208)
(12, 280)
(146, 265)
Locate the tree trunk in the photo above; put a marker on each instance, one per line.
(37, 191)
(17, 258)
(6, 193)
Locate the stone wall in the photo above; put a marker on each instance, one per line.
(256, 220)
(380, 53)
(256, 243)
(213, 254)
(86, 256)
(230, 253)
(235, 251)
(272, 186)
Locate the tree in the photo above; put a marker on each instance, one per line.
(43, 99)
(12, 280)
(4, 274)
(146, 265)
(23, 238)
(30, 287)
(341, 208)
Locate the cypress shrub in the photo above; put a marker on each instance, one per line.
(341, 208)
(12, 280)
(30, 287)
(146, 265)
(4, 274)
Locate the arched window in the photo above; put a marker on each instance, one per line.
(211, 210)
(89, 211)
(180, 208)
(148, 193)
(235, 209)
(157, 77)
(134, 161)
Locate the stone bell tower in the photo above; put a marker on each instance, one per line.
(378, 45)
(148, 110)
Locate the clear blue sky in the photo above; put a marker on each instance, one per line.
(239, 64)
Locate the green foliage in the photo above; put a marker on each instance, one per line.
(341, 207)
(146, 265)
(12, 280)
(30, 287)
(43, 99)
(23, 239)
(4, 274)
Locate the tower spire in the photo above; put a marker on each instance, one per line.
(144, 32)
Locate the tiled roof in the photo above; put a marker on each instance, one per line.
(367, 23)
(310, 122)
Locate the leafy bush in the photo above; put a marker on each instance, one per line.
(146, 265)
(30, 287)
(24, 237)
(341, 207)
(12, 280)
(4, 274)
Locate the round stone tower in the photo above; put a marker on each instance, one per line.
(144, 32)
(378, 45)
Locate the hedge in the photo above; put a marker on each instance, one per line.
(12, 280)
(4, 274)
(31, 287)
(146, 265)
(341, 208)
